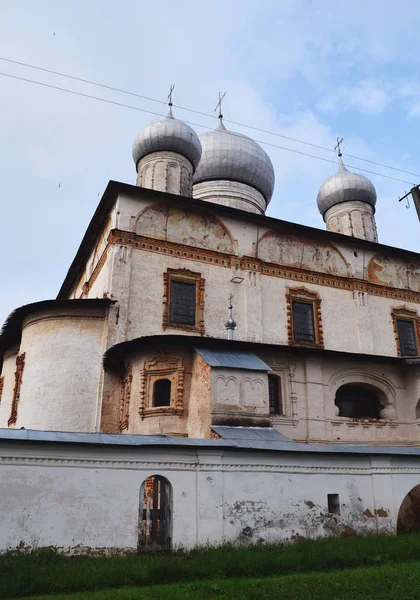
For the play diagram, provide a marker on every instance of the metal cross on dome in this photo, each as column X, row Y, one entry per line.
column 171, row 89
column 338, row 147
column 219, row 105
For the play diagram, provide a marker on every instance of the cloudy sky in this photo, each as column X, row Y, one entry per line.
column 307, row 69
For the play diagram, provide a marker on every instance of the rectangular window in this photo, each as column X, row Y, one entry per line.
column 182, row 302
column 303, row 322
column 333, row 504
column 407, row 337
column 274, row 395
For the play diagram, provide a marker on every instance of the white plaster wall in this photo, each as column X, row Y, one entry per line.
column 87, row 497
column 62, row 374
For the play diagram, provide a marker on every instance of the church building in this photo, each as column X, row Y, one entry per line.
column 209, row 373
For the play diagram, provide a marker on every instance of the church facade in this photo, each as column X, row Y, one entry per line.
column 189, row 313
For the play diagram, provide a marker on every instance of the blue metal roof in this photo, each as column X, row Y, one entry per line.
column 259, row 434
column 236, row 441
column 232, row 359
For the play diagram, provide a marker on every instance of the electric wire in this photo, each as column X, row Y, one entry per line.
column 197, row 112
column 150, row 112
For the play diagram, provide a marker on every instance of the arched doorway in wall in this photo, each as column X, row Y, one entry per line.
column 409, row 514
column 155, row 514
column 360, row 401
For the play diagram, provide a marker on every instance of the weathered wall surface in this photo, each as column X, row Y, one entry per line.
column 61, row 378
column 239, row 397
column 84, row 497
column 308, row 389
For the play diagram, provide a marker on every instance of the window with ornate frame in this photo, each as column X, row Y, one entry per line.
column 162, row 386
column 183, row 300
column 407, row 331
column 304, row 322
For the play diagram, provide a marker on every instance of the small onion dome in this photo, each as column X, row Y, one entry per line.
column 168, row 134
column 235, row 157
column 345, row 186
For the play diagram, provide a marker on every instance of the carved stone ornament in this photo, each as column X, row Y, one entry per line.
column 162, row 367
column 20, row 363
column 124, row 417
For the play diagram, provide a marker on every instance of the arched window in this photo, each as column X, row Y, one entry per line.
column 155, row 512
column 409, row 513
column 162, row 392
column 274, row 395
column 418, row 410
column 359, row 401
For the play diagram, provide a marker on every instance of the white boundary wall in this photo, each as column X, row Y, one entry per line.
column 79, row 497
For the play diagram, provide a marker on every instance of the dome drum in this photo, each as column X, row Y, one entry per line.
column 231, row 193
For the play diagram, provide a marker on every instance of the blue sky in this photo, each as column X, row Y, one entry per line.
column 311, row 70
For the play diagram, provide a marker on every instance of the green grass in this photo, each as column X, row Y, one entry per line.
column 46, row 572
column 386, row 582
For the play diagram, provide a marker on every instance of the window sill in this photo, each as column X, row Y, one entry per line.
column 192, row 328
column 160, row 410
column 307, row 344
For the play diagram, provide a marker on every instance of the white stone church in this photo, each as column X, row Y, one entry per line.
column 210, row 374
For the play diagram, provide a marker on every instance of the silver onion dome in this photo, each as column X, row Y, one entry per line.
column 345, row 186
column 235, row 157
column 168, row 134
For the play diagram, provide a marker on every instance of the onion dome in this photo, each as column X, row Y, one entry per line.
column 228, row 155
column 168, row 134
column 345, row 186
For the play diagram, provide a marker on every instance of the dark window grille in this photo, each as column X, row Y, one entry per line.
column 274, row 395
column 303, row 322
column 407, row 337
column 182, row 302
column 162, row 392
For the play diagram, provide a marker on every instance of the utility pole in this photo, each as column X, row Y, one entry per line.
column 415, row 194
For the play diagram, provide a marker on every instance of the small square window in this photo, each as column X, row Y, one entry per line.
column 407, row 337
column 303, row 322
column 333, row 504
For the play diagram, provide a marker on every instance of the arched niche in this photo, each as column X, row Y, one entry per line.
column 311, row 255
column 418, row 409
column 409, row 514
column 393, row 272
column 155, row 514
column 359, row 401
column 184, row 226
column 375, row 383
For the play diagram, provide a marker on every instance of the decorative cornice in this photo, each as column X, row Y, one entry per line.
column 220, row 259
column 196, row 465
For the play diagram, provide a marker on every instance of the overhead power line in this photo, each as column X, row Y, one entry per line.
column 197, row 112
column 150, row 112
